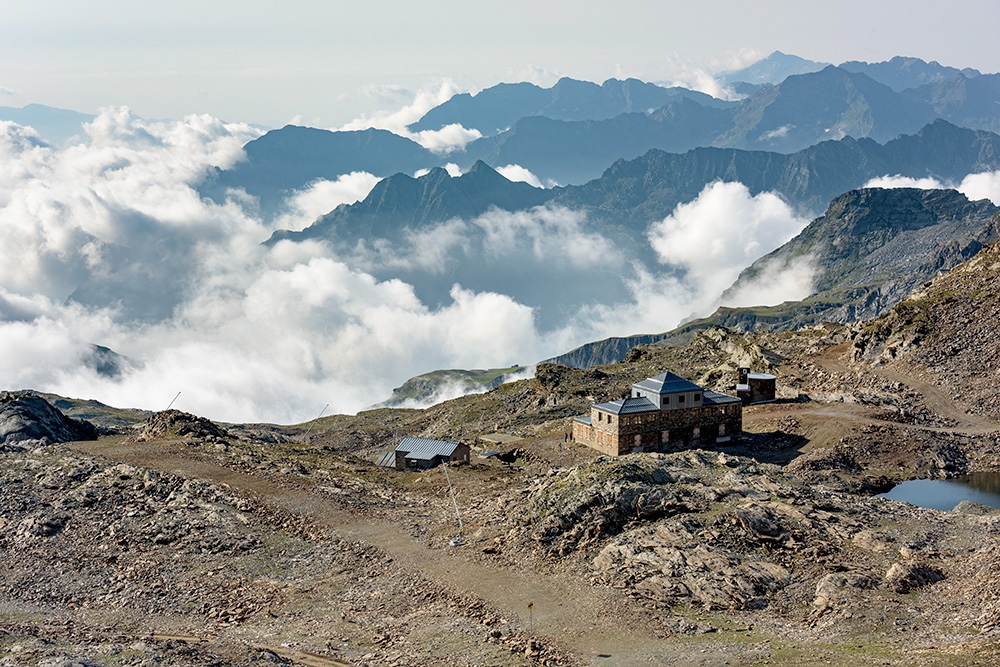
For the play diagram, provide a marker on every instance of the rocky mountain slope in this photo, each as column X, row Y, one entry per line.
column 945, row 330
column 868, row 252
column 874, row 246
column 247, row 550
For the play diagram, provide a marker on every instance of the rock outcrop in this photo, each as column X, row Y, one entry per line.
column 28, row 421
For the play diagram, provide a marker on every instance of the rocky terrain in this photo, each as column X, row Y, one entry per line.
column 171, row 539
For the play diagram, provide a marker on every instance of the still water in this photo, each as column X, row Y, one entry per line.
column 944, row 494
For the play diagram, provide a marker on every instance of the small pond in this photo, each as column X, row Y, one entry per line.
column 944, row 494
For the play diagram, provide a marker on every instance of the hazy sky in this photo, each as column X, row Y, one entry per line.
column 324, row 63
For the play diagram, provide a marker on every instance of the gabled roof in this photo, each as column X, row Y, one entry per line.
column 424, row 449
column 667, row 383
column 627, row 406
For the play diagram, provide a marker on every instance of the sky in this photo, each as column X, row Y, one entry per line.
column 325, row 63
column 107, row 241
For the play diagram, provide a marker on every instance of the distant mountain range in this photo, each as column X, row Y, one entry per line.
column 54, row 126
column 633, row 193
column 773, row 69
column 495, row 109
column 572, row 132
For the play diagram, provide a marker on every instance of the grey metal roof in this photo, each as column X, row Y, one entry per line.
column 715, row 398
column 387, row 460
column 667, row 383
column 761, row 376
column 583, row 420
column 628, row 406
column 425, row 449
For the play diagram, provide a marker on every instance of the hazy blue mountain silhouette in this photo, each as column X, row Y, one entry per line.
column 402, row 201
column 901, row 73
column 773, row 69
column 632, row 193
column 497, row 108
column 283, row 161
column 54, row 126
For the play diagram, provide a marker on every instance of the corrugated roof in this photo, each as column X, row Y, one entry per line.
column 667, row 383
column 425, row 449
column 761, row 376
column 387, row 460
column 627, row 406
column 715, row 398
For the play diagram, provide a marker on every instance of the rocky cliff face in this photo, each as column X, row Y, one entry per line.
column 28, row 421
column 948, row 329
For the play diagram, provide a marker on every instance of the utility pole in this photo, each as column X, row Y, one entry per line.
column 306, row 436
column 458, row 541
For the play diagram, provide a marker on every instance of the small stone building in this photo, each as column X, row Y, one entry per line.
column 755, row 387
column 422, row 453
column 664, row 413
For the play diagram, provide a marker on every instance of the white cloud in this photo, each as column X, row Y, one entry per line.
column 515, row 172
column 897, row 181
column 246, row 333
column 322, row 196
column 446, row 140
column 556, row 236
column 776, row 283
column 722, row 231
column 779, row 133
column 982, row 186
column 693, row 76
column 110, row 243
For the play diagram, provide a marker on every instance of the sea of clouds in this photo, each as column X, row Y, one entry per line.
column 108, row 242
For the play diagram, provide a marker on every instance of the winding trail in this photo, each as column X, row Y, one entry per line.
column 581, row 617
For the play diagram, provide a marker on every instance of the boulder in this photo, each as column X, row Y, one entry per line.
column 28, row 421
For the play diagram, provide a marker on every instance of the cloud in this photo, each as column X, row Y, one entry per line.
column 722, row 231
column 446, row 140
column 108, row 242
column 6, row 92
column 515, row 172
column 982, row 186
column 694, row 76
column 322, row 196
column 898, row 181
column 776, row 134
column 777, row 282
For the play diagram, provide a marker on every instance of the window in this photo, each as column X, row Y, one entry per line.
column 697, row 397
column 680, row 399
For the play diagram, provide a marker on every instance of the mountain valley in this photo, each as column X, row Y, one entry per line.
column 177, row 539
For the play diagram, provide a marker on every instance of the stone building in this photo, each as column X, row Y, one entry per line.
column 422, row 453
column 664, row 413
column 755, row 387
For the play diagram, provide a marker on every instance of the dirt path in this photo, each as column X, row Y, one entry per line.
column 935, row 399
column 580, row 616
